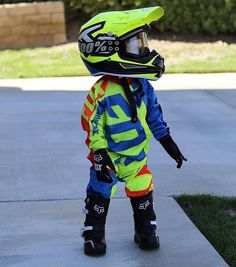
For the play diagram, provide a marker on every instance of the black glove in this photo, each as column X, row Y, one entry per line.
column 101, row 161
column 172, row 149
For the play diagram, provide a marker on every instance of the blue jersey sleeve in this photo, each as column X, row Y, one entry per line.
column 154, row 117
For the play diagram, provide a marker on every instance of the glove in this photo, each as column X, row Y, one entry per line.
column 101, row 161
column 172, row 149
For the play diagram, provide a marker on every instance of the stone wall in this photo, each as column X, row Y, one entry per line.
column 32, row 24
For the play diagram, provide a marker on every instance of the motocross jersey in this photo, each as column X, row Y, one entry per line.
column 107, row 114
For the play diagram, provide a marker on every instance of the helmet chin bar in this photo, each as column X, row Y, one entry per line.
column 128, row 69
column 147, row 56
column 159, row 65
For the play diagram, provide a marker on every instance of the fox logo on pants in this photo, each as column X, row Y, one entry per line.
column 144, row 205
column 98, row 209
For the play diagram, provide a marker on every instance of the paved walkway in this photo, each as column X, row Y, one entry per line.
column 44, row 171
column 167, row 82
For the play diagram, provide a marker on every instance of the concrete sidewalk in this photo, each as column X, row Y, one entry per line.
column 37, row 234
column 167, row 82
column 44, row 172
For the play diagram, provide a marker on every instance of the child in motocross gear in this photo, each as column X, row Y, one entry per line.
column 120, row 113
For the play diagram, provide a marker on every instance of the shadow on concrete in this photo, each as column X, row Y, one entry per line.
column 7, row 88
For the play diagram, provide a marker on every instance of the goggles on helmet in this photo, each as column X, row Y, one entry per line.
column 137, row 45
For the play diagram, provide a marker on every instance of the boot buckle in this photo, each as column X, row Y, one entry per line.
column 90, row 242
column 84, row 229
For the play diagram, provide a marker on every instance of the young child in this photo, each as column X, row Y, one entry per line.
column 120, row 113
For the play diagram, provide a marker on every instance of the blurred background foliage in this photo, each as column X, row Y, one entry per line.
column 181, row 16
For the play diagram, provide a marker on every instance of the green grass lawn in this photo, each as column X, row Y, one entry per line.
column 64, row 60
column 215, row 217
column 41, row 62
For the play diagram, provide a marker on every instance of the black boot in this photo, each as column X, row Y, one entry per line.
column 94, row 226
column 145, row 222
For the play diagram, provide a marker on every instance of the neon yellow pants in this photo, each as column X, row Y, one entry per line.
column 137, row 177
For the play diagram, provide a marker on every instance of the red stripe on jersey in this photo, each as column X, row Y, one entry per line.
column 87, row 112
column 85, row 124
column 104, row 84
column 87, row 141
column 90, row 100
column 99, row 96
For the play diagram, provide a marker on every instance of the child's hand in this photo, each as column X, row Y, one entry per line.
column 172, row 149
column 101, row 163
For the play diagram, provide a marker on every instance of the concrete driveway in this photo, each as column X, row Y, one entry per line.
column 44, row 172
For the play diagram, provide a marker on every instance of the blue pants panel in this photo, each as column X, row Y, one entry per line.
column 100, row 188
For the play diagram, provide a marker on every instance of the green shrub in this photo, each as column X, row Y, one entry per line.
column 181, row 16
column 23, row 1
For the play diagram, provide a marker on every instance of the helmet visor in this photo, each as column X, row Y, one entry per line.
column 136, row 45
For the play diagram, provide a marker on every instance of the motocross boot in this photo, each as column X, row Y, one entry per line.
column 145, row 222
column 94, row 226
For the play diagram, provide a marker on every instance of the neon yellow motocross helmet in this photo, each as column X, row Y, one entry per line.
column 115, row 43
